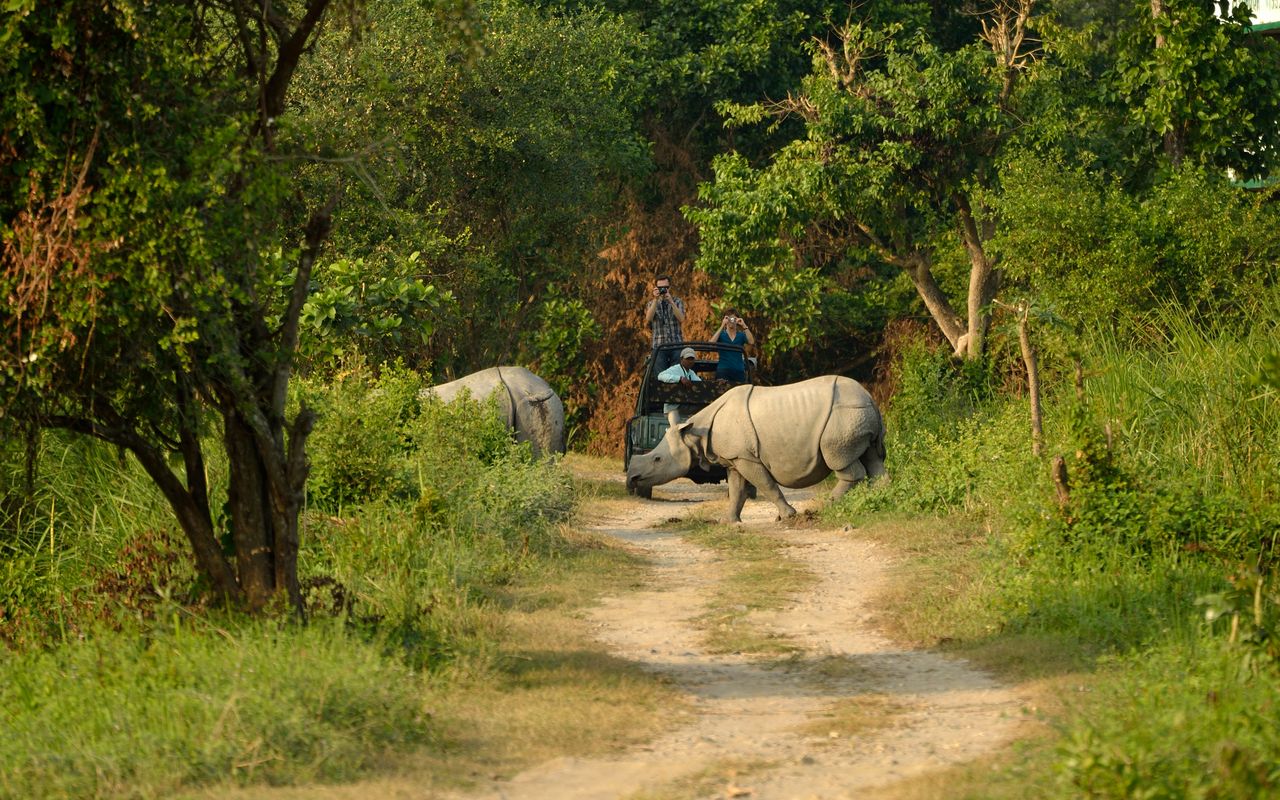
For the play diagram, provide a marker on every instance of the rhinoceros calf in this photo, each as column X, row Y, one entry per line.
column 771, row 436
column 529, row 405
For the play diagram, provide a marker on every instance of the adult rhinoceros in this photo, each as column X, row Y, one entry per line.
column 793, row 436
column 529, row 405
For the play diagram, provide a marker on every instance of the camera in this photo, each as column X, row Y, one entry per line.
column 663, row 289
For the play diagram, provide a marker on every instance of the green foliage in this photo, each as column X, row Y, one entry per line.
column 567, row 331
column 1106, row 257
column 902, row 134
column 359, row 445
column 1181, row 487
column 1180, row 721
column 379, row 312
column 947, row 451
column 437, row 502
column 1171, row 459
column 496, row 163
column 158, row 248
column 116, row 682
column 1211, row 85
column 190, row 703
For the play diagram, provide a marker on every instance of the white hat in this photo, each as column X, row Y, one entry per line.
column 688, row 353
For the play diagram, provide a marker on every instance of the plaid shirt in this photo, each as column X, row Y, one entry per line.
column 665, row 326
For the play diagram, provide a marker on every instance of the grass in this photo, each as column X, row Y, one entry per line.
column 1096, row 609
column 547, row 690
column 725, row 778
column 854, row 717
column 119, row 715
column 550, row 691
column 760, row 577
column 444, row 644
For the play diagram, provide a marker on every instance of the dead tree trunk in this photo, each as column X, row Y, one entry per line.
column 1033, row 381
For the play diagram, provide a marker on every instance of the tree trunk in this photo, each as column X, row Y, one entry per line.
column 193, row 517
column 1175, row 139
column 949, row 322
column 1033, row 383
column 190, row 503
column 289, row 507
column 984, row 280
column 1061, row 485
column 252, row 520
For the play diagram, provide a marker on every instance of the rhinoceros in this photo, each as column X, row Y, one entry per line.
column 770, row 436
column 529, row 405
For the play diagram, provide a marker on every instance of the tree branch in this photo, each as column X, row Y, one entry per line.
column 291, row 50
column 316, row 232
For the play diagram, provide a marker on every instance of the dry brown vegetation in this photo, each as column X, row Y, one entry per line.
column 654, row 239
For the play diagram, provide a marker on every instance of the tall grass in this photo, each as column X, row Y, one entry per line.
column 62, row 530
column 1173, row 516
column 127, row 715
column 116, row 681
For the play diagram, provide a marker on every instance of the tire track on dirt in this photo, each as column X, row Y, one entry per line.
column 748, row 713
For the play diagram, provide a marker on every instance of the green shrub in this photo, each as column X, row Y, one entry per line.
column 950, row 446
column 410, row 564
column 357, row 450
column 115, row 683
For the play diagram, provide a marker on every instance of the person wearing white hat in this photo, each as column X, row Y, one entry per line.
column 681, row 372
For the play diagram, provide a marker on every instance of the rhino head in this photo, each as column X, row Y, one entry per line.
column 670, row 459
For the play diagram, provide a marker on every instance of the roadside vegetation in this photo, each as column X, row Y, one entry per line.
column 1144, row 602
column 438, row 565
column 234, row 237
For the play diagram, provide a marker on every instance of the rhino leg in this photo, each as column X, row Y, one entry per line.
column 873, row 463
column 847, row 477
column 764, row 482
column 737, row 495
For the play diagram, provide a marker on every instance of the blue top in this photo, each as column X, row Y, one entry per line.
column 732, row 359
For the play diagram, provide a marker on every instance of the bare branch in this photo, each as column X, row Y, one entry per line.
column 1004, row 29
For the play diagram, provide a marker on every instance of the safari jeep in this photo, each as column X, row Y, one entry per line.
column 649, row 425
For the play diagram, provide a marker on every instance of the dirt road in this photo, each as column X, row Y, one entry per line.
column 753, row 732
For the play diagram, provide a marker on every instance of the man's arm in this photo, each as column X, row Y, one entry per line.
column 648, row 311
column 671, row 374
column 677, row 308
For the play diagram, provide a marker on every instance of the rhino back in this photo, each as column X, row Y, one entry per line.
column 481, row 384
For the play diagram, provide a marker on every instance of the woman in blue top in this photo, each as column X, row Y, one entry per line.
column 733, row 330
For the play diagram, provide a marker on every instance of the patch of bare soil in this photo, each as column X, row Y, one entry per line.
column 919, row 711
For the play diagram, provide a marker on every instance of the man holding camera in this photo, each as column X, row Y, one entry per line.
column 663, row 315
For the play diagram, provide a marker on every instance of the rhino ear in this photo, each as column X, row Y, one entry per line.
column 696, row 441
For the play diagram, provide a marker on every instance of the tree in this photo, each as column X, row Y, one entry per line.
column 494, row 157
column 1204, row 85
column 157, row 254
column 902, row 149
